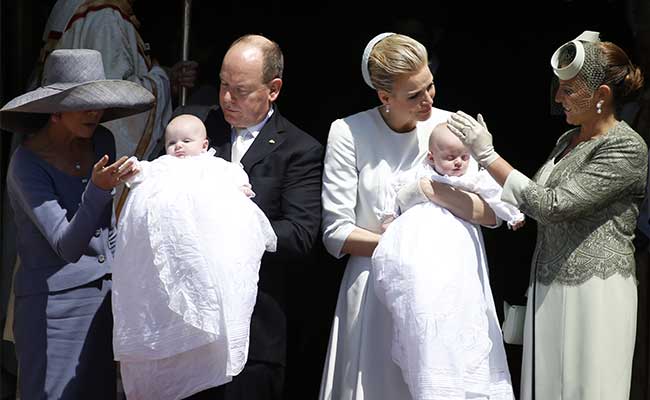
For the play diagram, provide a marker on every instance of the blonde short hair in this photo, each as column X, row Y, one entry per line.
column 394, row 56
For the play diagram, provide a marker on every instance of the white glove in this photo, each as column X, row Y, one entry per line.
column 475, row 135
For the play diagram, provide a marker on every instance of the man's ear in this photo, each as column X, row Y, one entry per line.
column 274, row 88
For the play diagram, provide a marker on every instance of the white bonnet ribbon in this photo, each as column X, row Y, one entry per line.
column 569, row 71
column 366, row 55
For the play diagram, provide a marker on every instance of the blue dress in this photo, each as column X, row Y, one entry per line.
column 63, row 322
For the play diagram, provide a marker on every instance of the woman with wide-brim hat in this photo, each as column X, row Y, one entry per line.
column 60, row 182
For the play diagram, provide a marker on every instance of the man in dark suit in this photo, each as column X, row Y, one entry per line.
column 284, row 165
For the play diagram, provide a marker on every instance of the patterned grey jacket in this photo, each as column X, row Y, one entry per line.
column 586, row 207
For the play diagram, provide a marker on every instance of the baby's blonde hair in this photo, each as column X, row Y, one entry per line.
column 187, row 121
column 439, row 132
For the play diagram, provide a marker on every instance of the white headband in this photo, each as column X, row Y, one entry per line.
column 366, row 55
column 569, row 71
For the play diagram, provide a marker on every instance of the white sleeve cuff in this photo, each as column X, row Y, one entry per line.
column 139, row 177
column 514, row 187
column 334, row 242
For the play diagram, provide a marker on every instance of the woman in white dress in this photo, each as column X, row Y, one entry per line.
column 364, row 152
column 581, row 314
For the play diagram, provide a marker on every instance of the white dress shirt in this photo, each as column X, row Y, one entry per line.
column 242, row 138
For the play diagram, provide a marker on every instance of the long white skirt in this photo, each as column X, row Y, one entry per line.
column 429, row 270
column 358, row 365
column 584, row 340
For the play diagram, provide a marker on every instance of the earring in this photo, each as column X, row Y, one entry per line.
column 387, row 108
column 599, row 107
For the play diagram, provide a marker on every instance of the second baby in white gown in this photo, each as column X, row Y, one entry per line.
column 430, row 270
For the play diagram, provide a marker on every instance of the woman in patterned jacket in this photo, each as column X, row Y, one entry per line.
column 581, row 315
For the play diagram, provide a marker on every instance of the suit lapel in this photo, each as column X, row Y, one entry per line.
column 270, row 137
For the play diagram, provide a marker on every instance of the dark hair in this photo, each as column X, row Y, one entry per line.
column 33, row 124
column 624, row 78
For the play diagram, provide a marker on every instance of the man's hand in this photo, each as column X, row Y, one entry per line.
column 183, row 74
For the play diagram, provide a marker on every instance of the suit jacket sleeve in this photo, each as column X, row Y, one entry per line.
column 297, row 228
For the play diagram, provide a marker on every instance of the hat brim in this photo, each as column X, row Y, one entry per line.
column 118, row 98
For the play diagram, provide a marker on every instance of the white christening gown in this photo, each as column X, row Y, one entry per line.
column 185, row 276
column 430, row 270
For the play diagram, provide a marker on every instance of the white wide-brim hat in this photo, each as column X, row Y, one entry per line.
column 74, row 80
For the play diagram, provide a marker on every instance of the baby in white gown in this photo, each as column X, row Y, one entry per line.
column 430, row 270
column 188, row 251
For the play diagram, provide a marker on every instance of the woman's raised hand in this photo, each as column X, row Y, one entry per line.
column 107, row 177
column 475, row 135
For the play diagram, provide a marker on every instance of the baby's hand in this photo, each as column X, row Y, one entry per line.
column 247, row 190
column 385, row 222
column 517, row 225
column 134, row 172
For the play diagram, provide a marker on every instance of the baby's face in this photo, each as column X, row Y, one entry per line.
column 449, row 158
column 185, row 142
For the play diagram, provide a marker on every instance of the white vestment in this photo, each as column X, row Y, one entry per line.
column 106, row 29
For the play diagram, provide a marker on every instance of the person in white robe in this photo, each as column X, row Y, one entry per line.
column 111, row 27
